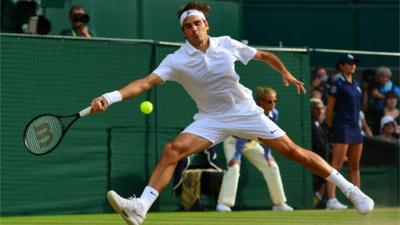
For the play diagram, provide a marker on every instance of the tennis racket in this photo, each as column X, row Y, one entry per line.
column 45, row 132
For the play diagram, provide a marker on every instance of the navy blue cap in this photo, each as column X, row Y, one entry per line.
column 347, row 58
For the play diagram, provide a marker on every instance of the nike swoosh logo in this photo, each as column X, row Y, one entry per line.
column 273, row 131
column 153, row 193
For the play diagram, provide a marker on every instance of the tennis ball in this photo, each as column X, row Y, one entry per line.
column 146, row 107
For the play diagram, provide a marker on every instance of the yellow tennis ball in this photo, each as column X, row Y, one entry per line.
column 146, row 107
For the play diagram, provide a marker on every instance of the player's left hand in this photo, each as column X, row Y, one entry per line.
column 288, row 78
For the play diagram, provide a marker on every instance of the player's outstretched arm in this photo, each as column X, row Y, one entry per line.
column 132, row 89
column 273, row 61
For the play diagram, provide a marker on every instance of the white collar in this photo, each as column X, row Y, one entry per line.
column 191, row 50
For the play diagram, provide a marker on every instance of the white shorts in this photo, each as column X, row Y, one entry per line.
column 248, row 127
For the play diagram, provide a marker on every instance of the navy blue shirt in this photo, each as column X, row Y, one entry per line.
column 348, row 98
column 346, row 128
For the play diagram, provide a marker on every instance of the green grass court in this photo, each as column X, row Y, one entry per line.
column 380, row 216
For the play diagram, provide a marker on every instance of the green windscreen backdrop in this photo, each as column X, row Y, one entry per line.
column 117, row 149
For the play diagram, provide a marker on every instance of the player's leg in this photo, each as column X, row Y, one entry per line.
column 318, row 166
column 339, row 153
column 285, row 146
column 230, row 180
column 184, row 145
column 270, row 171
column 134, row 210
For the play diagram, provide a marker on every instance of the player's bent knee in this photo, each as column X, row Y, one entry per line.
column 174, row 151
column 180, row 147
column 170, row 154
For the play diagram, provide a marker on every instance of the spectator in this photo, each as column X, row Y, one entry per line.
column 316, row 94
column 320, row 81
column 320, row 145
column 391, row 108
column 384, row 85
column 259, row 155
column 79, row 20
column 343, row 115
column 388, row 130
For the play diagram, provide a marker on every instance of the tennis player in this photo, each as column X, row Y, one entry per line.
column 259, row 155
column 205, row 67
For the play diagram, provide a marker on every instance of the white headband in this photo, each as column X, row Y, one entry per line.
column 191, row 12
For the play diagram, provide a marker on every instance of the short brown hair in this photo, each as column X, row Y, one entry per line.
column 195, row 5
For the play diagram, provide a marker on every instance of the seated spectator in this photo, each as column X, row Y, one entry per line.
column 316, row 94
column 390, row 109
column 388, row 129
column 319, row 81
column 384, row 86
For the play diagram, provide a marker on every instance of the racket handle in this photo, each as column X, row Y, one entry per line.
column 85, row 112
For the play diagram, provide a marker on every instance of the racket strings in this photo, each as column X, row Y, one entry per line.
column 43, row 134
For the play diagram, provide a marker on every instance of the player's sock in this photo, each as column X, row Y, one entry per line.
column 149, row 196
column 342, row 183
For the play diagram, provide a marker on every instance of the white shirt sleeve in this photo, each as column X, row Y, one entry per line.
column 166, row 69
column 241, row 52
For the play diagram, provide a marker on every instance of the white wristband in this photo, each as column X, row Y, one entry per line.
column 113, row 97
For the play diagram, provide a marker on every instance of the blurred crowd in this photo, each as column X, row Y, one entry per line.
column 379, row 114
column 27, row 17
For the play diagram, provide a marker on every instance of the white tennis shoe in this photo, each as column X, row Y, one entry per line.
column 131, row 209
column 361, row 201
column 221, row 207
column 282, row 208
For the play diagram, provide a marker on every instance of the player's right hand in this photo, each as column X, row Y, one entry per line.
column 99, row 104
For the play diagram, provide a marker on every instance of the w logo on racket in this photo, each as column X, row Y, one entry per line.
column 43, row 134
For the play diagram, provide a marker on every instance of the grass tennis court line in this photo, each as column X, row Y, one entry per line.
column 381, row 216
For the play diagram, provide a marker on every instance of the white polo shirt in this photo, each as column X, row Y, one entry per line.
column 210, row 78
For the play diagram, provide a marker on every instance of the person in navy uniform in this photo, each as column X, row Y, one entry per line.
column 343, row 115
